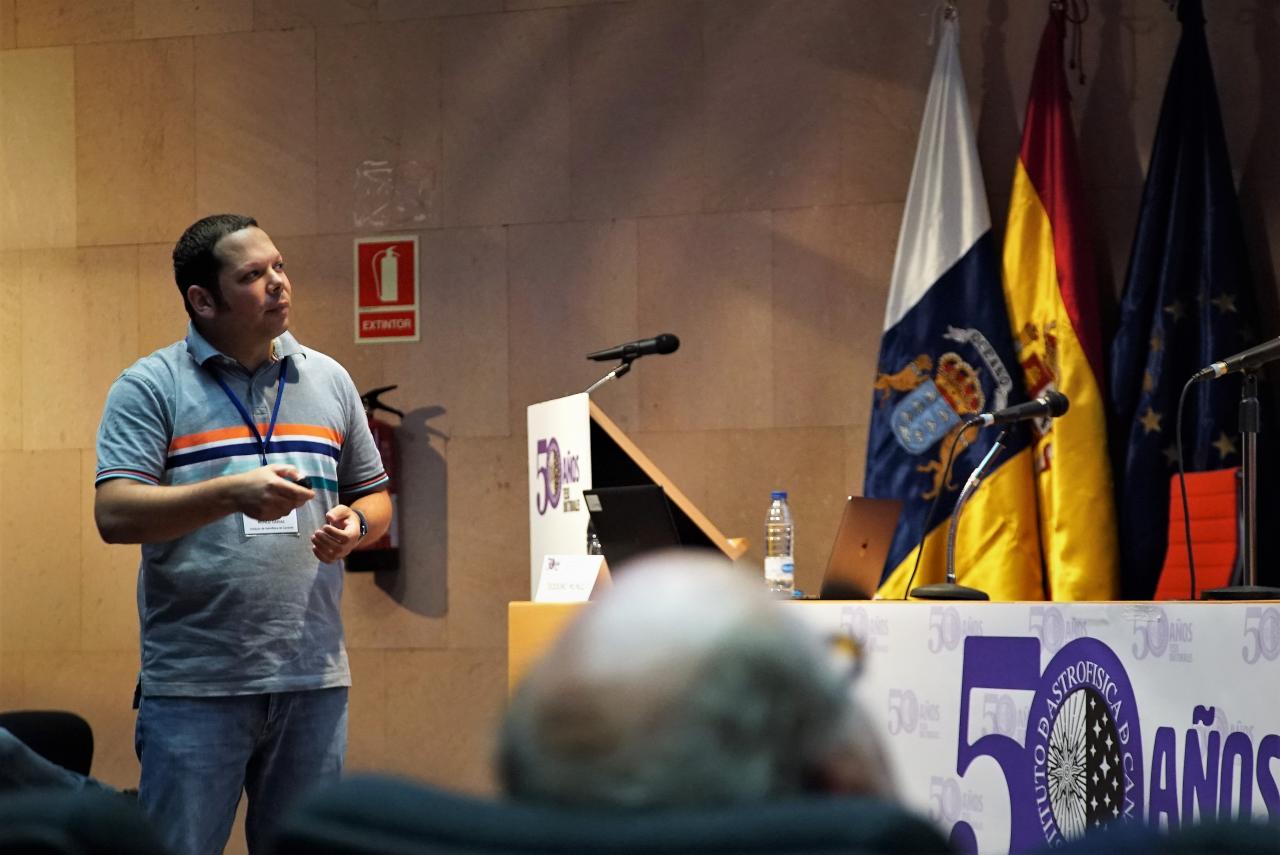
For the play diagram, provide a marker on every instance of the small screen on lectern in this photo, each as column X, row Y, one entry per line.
column 631, row 520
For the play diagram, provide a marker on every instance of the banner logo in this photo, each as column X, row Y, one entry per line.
column 1080, row 766
column 1262, row 634
column 554, row 472
column 1083, row 737
column 548, row 473
column 947, row 630
column 1053, row 628
column 870, row 632
column 1156, row 636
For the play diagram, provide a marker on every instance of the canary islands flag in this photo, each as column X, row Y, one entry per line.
column 947, row 353
column 1052, row 295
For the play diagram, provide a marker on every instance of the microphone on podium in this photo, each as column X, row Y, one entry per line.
column 1245, row 360
column 662, row 343
column 1051, row 404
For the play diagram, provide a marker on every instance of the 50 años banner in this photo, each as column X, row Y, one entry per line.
column 1017, row 725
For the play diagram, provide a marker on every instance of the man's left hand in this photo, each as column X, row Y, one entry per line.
column 339, row 535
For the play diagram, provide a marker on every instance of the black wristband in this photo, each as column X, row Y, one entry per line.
column 364, row 525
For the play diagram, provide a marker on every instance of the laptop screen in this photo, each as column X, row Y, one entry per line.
column 860, row 548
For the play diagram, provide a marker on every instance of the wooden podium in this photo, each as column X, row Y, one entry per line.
column 574, row 446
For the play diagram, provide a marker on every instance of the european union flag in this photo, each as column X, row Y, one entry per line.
column 1187, row 302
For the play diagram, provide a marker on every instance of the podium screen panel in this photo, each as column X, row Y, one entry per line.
column 631, row 520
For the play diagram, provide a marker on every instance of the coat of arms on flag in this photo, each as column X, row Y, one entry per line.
column 934, row 407
column 1038, row 354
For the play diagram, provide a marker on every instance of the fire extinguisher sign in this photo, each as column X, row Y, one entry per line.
column 386, row 283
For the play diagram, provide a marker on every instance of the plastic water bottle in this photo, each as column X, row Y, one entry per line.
column 593, row 541
column 779, row 541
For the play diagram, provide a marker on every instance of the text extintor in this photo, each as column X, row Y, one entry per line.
column 386, row 289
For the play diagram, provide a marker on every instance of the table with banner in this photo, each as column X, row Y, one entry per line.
column 1024, row 724
column 1011, row 724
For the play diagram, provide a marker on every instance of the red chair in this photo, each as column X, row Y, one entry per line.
column 1213, row 500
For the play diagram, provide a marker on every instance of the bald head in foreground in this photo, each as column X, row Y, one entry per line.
column 686, row 685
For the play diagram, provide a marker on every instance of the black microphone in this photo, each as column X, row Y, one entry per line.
column 663, row 343
column 1051, row 404
column 1245, row 360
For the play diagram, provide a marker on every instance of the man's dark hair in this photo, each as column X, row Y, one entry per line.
column 194, row 262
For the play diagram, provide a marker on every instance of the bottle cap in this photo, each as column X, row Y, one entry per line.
column 778, row 494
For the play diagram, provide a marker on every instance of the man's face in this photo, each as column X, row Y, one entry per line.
column 255, row 290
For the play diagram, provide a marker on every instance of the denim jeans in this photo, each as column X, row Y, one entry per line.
column 198, row 754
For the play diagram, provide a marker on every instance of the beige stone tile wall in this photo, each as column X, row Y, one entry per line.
column 570, row 287
column 37, row 149
column 79, row 329
column 774, row 108
column 829, row 270
column 707, row 278
column 256, row 127
column 578, row 174
column 40, row 551
column 8, row 25
column 135, row 140
column 637, row 106
column 378, row 108
column 505, row 118
column 11, row 350
column 154, row 19
column 40, row 23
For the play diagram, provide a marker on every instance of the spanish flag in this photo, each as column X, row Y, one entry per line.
column 1052, row 295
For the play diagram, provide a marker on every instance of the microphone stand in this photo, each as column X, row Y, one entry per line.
column 1250, row 422
column 622, row 368
column 949, row 590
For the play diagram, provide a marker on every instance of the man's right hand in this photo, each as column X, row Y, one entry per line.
column 270, row 492
column 129, row 511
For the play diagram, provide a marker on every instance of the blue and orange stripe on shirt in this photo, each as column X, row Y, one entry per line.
column 237, row 441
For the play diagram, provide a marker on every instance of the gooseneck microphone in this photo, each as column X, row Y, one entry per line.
column 663, row 343
column 1050, row 404
column 1245, row 360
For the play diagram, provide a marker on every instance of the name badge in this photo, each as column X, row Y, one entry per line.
column 287, row 524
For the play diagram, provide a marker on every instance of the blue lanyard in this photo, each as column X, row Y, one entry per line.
column 244, row 414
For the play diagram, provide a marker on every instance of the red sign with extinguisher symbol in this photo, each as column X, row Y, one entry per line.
column 386, row 289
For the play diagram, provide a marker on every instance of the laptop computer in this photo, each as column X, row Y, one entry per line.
column 862, row 543
column 631, row 520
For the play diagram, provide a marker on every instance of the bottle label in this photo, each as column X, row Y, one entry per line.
column 778, row 568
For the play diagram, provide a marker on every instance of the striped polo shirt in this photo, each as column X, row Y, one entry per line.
column 221, row 612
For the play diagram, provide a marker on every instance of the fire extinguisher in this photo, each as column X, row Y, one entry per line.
column 383, row 553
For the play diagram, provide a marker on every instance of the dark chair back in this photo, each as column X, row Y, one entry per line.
column 376, row 814
column 1225, row 837
column 62, row 738
column 74, row 822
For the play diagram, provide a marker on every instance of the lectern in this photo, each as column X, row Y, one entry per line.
column 574, row 446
